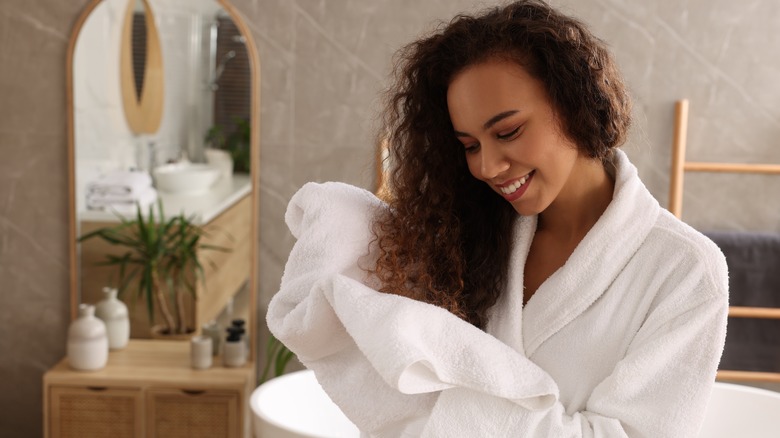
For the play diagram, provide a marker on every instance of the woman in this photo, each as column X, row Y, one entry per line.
column 575, row 305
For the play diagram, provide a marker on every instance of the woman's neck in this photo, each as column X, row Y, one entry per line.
column 583, row 199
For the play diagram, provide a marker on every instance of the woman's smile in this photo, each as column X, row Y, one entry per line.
column 514, row 189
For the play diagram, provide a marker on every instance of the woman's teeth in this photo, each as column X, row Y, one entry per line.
column 508, row 190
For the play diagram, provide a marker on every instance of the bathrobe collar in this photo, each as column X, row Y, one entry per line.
column 587, row 274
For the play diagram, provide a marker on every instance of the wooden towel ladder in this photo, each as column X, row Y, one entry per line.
column 679, row 167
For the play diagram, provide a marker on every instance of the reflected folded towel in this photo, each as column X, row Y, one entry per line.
column 124, row 204
column 120, row 183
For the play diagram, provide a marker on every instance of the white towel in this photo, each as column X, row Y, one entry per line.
column 382, row 358
column 126, row 204
column 120, row 183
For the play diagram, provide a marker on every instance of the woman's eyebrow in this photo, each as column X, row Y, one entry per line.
column 498, row 117
column 492, row 121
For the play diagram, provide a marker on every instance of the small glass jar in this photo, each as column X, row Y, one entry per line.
column 213, row 330
column 200, row 352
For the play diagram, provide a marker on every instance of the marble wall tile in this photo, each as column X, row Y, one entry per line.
column 330, row 83
column 277, row 93
column 31, row 52
column 323, row 63
column 271, row 22
column 713, row 54
column 34, row 303
column 374, row 30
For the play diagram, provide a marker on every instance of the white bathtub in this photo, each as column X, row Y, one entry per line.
column 741, row 411
column 295, row 406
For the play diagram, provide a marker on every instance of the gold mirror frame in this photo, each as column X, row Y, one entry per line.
column 254, row 160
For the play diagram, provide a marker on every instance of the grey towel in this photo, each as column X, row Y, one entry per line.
column 754, row 281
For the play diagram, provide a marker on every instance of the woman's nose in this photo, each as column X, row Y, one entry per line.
column 494, row 163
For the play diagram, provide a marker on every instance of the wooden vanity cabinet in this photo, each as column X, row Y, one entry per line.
column 148, row 390
column 225, row 273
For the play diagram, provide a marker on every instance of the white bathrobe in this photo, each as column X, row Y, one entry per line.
column 623, row 340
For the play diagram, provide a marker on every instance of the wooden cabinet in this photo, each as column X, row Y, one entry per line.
column 224, row 272
column 175, row 413
column 77, row 412
column 148, row 390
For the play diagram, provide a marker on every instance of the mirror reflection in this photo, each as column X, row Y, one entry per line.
column 141, row 69
column 138, row 42
column 192, row 154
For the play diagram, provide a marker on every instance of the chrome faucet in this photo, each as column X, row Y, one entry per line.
column 146, row 154
column 152, row 154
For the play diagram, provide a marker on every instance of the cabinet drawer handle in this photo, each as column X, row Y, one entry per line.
column 97, row 388
column 193, row 391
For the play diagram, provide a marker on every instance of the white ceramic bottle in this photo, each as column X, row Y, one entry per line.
column 114, row 314
column 87, row 341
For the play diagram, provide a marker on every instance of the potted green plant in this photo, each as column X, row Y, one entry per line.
column 277, row 356
column 237, row 143
column 162, row 255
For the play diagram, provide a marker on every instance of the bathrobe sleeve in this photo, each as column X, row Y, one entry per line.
column 331, row 223
column 659, row 389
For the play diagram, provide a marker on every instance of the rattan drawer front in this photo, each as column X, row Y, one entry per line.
column 80, row 412
column 172, row 413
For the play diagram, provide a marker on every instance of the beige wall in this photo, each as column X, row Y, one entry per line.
column 323, row 63
column 33, row 204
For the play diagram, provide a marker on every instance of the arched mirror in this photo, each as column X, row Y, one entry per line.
column 163, row 102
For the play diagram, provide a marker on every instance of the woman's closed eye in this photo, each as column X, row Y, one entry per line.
column 471, row 148
column 510, row 135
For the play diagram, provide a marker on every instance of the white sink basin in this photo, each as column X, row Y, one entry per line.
column 185, row 178
column 294, row 406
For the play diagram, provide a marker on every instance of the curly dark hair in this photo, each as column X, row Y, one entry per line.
column 445, row 237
